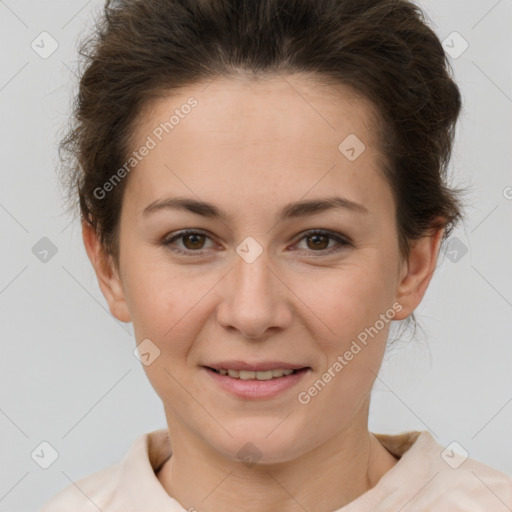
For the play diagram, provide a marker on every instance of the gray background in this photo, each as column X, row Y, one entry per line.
column 68, row 374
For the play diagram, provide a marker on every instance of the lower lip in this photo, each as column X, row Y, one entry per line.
column 254, row 388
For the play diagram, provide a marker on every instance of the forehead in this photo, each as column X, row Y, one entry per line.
column 261, row 106
column 290, row 133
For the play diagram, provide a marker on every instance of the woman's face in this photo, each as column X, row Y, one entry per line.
column 253, row 285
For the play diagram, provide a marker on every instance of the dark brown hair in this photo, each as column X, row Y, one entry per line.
column 383, row 49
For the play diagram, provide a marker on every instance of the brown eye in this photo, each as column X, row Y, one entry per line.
column 190, row 243
column 318, row 241
column 193, row 241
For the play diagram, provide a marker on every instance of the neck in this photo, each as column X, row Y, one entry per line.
column 323, row 479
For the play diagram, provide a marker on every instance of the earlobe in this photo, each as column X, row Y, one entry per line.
column 108, row 276
column 417, row 272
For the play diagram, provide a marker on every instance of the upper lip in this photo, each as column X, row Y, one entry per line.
column 260, row 366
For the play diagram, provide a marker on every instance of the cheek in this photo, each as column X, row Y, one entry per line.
column 166, row 308
column 158, row 293
column 170, row 306
column 352, row 307
column 350, row 299
column 160, row 300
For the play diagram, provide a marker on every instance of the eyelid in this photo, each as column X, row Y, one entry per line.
column 168, row 239
column 342, row 241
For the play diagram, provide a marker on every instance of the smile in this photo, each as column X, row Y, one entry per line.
column 260, row 375
column 249, row 384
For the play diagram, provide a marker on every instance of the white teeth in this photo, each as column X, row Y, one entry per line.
column 247, row 374
column 265, row 375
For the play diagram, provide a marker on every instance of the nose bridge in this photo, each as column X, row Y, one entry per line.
column 253, row 277
column 252, row 301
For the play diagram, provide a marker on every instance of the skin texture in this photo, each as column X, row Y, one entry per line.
column 250, row 147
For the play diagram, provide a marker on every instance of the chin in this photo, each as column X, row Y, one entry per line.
column 262, row 440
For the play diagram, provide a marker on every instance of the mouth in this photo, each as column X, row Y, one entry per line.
column 261, row 381
column 258, row 375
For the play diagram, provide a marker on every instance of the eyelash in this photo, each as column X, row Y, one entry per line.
column 342, row 241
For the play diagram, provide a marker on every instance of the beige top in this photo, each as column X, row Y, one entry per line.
column 427, row 477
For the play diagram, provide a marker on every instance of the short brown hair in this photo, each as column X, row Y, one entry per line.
column 383, row 49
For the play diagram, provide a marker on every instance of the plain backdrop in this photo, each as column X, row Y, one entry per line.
column 68, row 374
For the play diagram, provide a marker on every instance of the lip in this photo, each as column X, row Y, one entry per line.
column 261, row 366
column 253, row 388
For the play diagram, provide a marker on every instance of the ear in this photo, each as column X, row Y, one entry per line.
column 106, row 273
column 417, row 272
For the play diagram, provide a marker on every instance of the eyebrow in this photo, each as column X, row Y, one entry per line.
column 291, row 210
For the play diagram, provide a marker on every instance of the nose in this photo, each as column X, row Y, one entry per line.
column 255, row 299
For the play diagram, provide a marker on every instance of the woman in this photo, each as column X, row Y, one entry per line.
column 262, row 190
